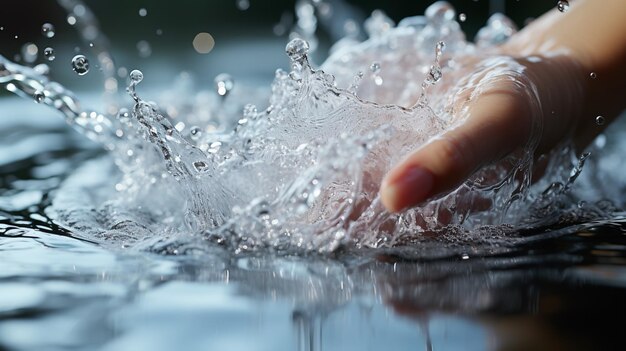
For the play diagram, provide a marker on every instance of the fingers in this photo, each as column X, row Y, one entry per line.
column 497, row 123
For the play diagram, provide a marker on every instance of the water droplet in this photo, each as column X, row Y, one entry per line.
column 29, row 52
column 434, row 74
column 600, row 120
column 439, row 49
column 80, row 64
column 136, row 76
column 195, row 132
column 144, row 48
column 203, row 43
column 47, row 30
column 243, row 4
column 375, row 67
column 71, row 20
column 39, row 96
column 562, row 5
column 49, row 54
column 224, row 84
column 143, row 12
column 462, row 17
column 297, row 49
column 593, row 75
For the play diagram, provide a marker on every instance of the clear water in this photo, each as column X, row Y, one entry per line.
column 175, row 246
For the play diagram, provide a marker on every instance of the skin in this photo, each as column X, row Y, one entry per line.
column 587, row 38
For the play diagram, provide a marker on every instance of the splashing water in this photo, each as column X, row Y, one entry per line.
column 303, row 172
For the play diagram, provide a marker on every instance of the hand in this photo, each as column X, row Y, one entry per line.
column 502, row 104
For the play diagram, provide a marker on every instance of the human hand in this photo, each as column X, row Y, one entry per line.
column 502, row 104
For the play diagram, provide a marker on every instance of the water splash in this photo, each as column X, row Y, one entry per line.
column 302, row 173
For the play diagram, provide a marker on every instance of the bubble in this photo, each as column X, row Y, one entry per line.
column 462, row 17
column 593, row 75
column 297, row 49
column 224, row 84
column 203, row 43
column 243, row 4
column 71, row 20
column 48, row 53
column 562, row 5
column 195, row 132
column 39, row 96
column 136, row 76
column 143, row 12
column 47, row 30
column 80, row 65
column 600, row 120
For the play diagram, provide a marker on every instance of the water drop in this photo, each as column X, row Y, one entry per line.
column 593, row 75
column 143, row 12
column 49, row 54
column 47, row 30
column 600, row 120
column 439, row 49
column 195, row 132
column 71, row 20
column 243, row 4
column 462, row 17
column 80, row 64
column 203, row 43
column 136, row 76
column 434, row 74
column 297, row 49
column 29, row 52
column 224, row 84
column 375, row 67
column 39, row 96
column 144, row 48
column 562, row 5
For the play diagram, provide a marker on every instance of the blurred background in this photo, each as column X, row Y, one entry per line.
column 247, row 37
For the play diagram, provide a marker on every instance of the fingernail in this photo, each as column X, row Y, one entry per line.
column 408, row 189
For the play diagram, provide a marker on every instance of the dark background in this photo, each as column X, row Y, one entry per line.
column 245, row 43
